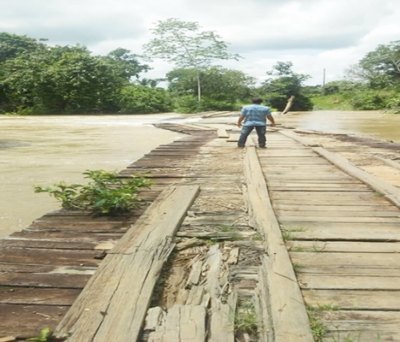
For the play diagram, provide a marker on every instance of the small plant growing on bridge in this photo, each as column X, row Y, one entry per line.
column 105, row 194
column 246, row 321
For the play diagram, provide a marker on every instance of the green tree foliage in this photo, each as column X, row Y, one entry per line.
column 125, row 64
column 222, row 88
column 381, row 68
column 284, row 83
column 143, row 99
column 63, row 79
column 12, row 45
column 183, row 44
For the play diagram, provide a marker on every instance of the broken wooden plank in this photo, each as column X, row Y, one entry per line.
column 132, row 267
column 183, row 323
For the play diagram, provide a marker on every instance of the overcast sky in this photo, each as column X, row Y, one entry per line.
column 313, row 34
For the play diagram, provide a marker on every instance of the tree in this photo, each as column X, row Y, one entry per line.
column 141, row 99
column 381, row 67
column 126, row 64
column 63, row 79
column 11, row 45
column 283, row 84
column 182, row 43
column 219, row 84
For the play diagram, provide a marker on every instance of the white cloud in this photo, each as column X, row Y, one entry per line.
column 313, row 34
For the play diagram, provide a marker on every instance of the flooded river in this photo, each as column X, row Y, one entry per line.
column 372, row 123
column 42, row 150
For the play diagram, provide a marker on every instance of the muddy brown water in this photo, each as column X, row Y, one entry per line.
column 375, row 124
column 42, row 150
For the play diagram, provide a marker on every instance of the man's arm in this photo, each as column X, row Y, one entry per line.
column 240, row 120
column 271, row 119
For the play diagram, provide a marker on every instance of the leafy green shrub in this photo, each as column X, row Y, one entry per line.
column 212, row 104
column 186, row 104
column 105, row 194
column 367, row 100
column 141, row 99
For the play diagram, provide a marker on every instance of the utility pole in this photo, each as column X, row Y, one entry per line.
column 323, row 77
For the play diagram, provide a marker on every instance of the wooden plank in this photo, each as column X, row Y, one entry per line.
column 24, row 321
column 289, row 316
column 347, row 246
column 306, row 189
column 343, row 270
column 379, row 260
column 368, row 326
column 183, row 323
column 342, row 231
column 222, row 314
column 69, row 281
column 389, row 191
column 315, row 208
column 36, row 256
column 367, row 219
column 353, row 282
column 328, row 198
column 133, row 267
column 344, row 213
column 39, row 296
column 354, row 300
column 47, row 244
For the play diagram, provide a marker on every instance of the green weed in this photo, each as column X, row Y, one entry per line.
column 105, row 194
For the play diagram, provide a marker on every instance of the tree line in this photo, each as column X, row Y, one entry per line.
column 36, row 78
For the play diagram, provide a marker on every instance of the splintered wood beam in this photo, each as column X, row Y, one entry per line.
column 182, row 323
column 113, row 305
column 288, row 313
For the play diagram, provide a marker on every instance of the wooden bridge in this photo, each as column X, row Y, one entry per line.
column 288, row 243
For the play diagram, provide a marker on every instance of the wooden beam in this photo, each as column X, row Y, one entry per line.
column 113, row 305
column 289, row 316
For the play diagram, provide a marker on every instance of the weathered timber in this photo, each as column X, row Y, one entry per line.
column 183, row 323
column 389, row 191
column 132, row 267
column 289, row 316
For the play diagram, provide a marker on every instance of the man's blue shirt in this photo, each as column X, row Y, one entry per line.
column 255, row 115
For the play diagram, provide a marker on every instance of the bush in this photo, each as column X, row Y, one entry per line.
column 211, row 104
column 367, row 100
column 186, row 104
column 106, row 194
column 135, row 99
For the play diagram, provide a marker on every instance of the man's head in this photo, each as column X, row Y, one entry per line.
column 256, row 100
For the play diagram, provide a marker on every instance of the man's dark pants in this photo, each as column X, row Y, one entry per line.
column 246, row 130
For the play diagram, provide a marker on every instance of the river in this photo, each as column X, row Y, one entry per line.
column 42, row 150
column 366, row 123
